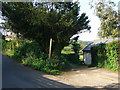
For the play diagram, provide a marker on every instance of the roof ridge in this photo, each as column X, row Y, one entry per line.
column 99, row 41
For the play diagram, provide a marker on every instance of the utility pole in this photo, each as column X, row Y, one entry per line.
column 50, row 48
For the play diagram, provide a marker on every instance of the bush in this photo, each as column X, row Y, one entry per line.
column 75, row 45
column 52, row 66
column 4, row 45
column 8, row 47
column 28, row 48
column 112, row 56
column 72, row 58
column 30, row 54
column 106, row 56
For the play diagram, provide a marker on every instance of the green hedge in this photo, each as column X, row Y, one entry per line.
column 26, row 48
column 73, row 58
column 4, row 45
column 105, row 56
column 8, row 47
column 30, row 54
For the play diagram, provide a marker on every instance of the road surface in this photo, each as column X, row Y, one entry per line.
column 15, row 75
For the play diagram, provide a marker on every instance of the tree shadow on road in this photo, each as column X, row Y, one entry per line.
column 113, row 85
column 15, row 75
column 18, row 76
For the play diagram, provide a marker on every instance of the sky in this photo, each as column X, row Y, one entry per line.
column 94, row 21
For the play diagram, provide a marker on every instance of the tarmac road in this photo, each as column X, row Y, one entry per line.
column 15, row 75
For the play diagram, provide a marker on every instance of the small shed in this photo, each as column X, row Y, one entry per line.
column 87, row 50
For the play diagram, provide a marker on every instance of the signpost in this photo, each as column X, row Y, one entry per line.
column 50, row 48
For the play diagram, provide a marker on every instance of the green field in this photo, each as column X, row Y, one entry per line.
column 68, row 50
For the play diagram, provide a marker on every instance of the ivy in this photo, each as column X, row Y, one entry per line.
column 106, row 56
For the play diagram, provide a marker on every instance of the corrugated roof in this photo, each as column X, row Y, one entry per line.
column 97, row 42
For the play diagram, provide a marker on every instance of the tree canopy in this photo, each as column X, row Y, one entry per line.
column 105, row 10
column 42, row 21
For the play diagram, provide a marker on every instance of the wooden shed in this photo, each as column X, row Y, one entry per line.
column 87, row 50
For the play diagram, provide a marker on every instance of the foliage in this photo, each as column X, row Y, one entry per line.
column 72, row 58
column 38, row 23
column 75, row 45
column 8, row 47
column 105, row 10
column 42, row 21
column 4, row 45
column 112, row 56
column 97, row 55
column 28, row 47
column 106, row 56
column 30, row 54
column 52, row 66
column 67, row 50
column 1, row 35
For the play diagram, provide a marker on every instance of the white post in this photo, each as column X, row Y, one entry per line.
column 50, row 48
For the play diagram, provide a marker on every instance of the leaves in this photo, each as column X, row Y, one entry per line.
column 109, row 19
column 106, row 56
column 42, row 21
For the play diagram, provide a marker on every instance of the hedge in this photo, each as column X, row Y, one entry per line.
column 29, row 53
column 106, row 56
column 72, row 58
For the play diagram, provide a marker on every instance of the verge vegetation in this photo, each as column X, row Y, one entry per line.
column 106, row 56
column 29, row 54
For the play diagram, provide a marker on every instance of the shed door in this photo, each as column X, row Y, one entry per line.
column 88, row 58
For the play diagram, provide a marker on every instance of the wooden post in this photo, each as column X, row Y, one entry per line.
column 50, row 48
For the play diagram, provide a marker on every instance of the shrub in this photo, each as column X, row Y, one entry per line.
column 8, row 47
column 112, row 56
column 52, row 66
column 106, row 56
column 72, row 58
column 28, row 47
column 30, row 54
column 75, row 45
column 4, row 45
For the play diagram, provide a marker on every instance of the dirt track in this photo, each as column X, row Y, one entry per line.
column 91, row 77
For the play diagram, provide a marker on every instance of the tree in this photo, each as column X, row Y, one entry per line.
column 76, row 45
column 109, row 18
column 42, row 21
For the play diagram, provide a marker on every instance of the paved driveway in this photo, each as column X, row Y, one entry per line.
column 16, row 75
